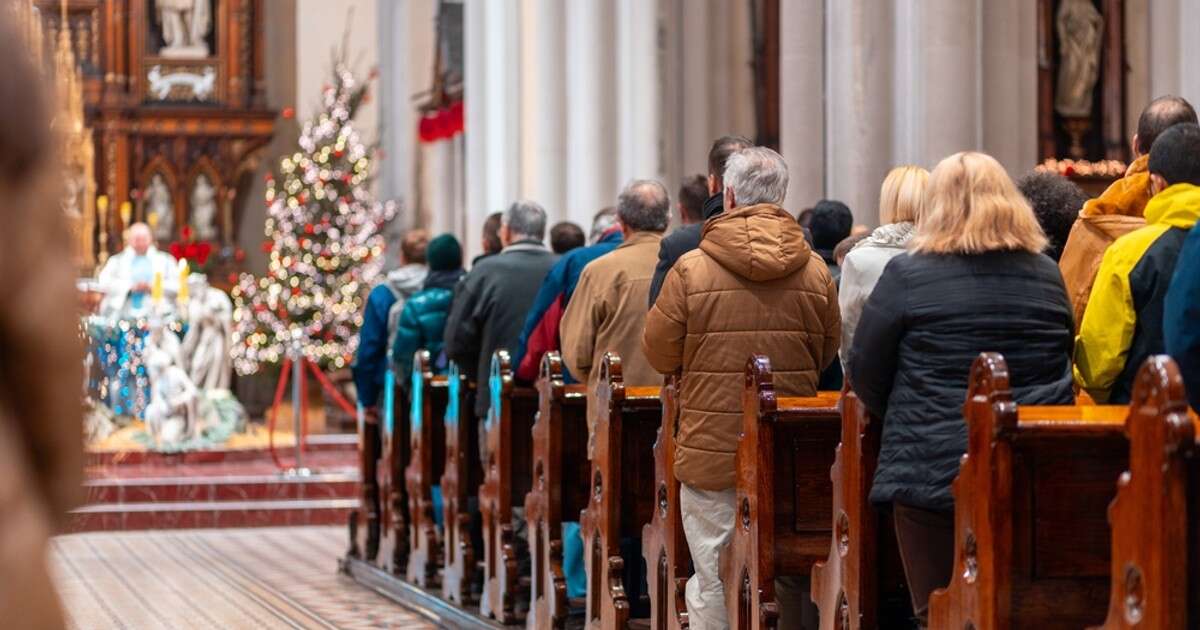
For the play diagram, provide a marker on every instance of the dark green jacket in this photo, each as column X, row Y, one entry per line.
column 422, row 322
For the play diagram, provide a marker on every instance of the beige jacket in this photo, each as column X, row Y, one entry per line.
column 607, row 313
column 754, row 286
column 1115, row 213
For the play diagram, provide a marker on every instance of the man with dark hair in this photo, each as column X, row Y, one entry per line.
column 566, row 236
column 829, row 223
column 491, row 300
column 1056, row 201
column 1123, row 323
column 1119, row 210
column 491, row 237
column 692, row 194
column 540, row 333
column 687, row 238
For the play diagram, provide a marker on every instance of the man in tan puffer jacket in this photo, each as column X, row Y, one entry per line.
column 754, row 286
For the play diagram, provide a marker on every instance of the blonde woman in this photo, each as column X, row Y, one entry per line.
column 901, row 199
column 974, row 280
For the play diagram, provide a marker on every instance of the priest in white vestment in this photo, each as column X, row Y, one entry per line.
column 127, row 279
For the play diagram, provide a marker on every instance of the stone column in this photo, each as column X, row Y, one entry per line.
column 802, row 135
column 543, row 105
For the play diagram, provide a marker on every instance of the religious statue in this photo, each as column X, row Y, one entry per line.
column 160, row 206
column 137, row 279
column 210, row 329
column 171, row 416
column 204, row 208
column 185, row 25
column 1080, row 32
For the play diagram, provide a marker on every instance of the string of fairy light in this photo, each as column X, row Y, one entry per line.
column 324, row 238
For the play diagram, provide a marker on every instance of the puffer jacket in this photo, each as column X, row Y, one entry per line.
column 929, row 317
column 754, row 286
column 861, row 270
column 1123, row 324
column 422, row 322
column 1103, row 220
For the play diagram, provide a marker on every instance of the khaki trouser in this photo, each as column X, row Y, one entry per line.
column 708, row 521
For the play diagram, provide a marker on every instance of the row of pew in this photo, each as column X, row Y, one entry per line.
column 1065, row 516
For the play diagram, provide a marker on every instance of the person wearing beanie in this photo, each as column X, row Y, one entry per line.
column 424, row 316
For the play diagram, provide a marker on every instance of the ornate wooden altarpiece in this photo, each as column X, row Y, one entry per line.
column 173, row 90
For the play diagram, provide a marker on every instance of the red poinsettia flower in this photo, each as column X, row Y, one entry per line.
column 203, row 251
column 185, row 232
column 176, row 250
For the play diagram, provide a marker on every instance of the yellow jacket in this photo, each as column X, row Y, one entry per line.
column 1122, row 325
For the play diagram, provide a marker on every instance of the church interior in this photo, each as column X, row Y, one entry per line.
column 267, row 290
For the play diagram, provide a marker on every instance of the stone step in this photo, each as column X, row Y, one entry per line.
column 209, row 514
column 341, row 484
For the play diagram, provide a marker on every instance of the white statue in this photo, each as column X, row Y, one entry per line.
column 185, row 25
column 159, row 205
column 204, row 209
column 210, row 328
column 1080, row 33
column 171, row 415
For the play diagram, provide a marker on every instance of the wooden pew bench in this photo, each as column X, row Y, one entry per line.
column 861, row 584
column 507, row 478
column 460, row 480
column 1031, row 539
column 560, row 487
column 426, row 459
column 1155, row 517
column 371, row 523
column 622, row 495
column 664, row 547
column 784, row 495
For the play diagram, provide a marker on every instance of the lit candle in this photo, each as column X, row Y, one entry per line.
column 126, row 213
column 184, row 270
column 156, row 291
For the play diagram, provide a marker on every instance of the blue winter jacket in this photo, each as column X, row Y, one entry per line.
column 422, row 323
column 1181, row 316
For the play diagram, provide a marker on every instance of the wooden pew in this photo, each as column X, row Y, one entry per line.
column 664, row 548
column 393, row 496
column 1031, row 538
column 1154, row 516
column 426, row 447
column 560, row 487
column 364, row 523
column 622, row 491
column 461, row 478
column 784, row 494
column 860, row 585
column 507, row 478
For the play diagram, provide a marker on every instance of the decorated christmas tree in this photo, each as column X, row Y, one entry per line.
column 324, row 238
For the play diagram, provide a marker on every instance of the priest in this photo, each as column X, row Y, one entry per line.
column 139, row 275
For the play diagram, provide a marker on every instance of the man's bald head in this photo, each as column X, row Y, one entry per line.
column 1160, row 115
column 140, row 238
column 644, row 206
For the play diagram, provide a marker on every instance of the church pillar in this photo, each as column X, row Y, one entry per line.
column 590, row 121
column 802, row 136
column 637, row 92
column 543, row 105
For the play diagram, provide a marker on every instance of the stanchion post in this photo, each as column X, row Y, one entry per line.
column 297, row 353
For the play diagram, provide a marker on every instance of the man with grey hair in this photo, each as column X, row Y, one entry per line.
column 753, row 287
column 491, row 301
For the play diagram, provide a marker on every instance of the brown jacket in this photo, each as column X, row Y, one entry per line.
column 754, row 286
column 607, row 313
column 1103, row 220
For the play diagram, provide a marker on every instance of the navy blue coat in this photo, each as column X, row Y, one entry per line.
column 1181, row 316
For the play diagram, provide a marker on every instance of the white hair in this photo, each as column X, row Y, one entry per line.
column 756, row 175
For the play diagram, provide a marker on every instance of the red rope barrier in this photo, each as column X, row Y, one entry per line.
column 330, row 389
column 279, row 389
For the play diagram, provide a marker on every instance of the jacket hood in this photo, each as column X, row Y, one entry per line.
column 407, row 279
column 759, row 243
column 893, row 235
column 444, row 279
column 1177, row 206
column 1113, row 226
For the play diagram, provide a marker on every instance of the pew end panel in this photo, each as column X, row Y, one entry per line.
column 1154, row 515
column 426, row 458
column 783, row 494
column 462, row 474
column 860, row 585
column 560, row 487
column 507, row 478
column 621, row 495
column 664, row 548
column 1030, row 531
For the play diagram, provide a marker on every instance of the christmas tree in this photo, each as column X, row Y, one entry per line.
column 325, row 242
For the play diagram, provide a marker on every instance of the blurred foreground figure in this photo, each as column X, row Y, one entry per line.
column 41, row 441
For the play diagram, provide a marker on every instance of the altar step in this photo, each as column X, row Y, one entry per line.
column 218, row 489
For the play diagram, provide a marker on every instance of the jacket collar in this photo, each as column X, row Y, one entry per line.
column 714, row 205
column 638, row 238
column 895, row 235
column 611, row 235
column 443, row 279
column 1177, row 206
column 527, row 245
column 1140, row 165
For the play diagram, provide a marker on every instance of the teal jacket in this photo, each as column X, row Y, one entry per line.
column 422, row 322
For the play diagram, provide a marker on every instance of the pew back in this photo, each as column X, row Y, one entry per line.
column 426, row 459
column 460, row 479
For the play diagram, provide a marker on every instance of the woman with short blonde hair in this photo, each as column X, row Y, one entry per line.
column 974, row 207
column 974, row 280
column 901, row 204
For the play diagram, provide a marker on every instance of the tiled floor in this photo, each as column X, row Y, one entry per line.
column 230, row 578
